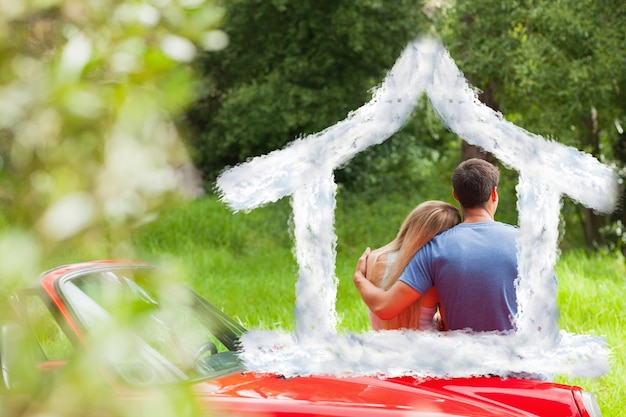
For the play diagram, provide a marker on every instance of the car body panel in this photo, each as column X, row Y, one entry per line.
column 480, row 396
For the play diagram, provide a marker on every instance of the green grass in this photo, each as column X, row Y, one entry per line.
column 244, row 264
column 590, row 300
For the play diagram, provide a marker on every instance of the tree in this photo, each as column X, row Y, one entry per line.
column 88, row 148
column 554, row 68
column 293, row 67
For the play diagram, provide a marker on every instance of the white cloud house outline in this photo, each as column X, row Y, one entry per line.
column 304, row 170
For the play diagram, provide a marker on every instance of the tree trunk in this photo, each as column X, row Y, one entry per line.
column 472, row 151
column 593, row 222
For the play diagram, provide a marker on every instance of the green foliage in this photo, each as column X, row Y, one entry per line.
column 295, row 68
column 292, row 68
column 554, row 68
column 545, row 62
column 87, row 144
column 420, row 157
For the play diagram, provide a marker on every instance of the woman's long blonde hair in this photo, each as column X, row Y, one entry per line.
column 423, row 223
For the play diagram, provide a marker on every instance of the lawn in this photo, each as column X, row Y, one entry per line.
column 244, row 263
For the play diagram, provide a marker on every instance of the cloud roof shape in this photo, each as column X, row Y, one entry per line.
column 304, row 170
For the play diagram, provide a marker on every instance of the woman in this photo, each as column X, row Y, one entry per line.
column 386, row 264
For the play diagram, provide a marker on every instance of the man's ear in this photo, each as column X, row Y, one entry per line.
column 494, row 193
column 454, row 196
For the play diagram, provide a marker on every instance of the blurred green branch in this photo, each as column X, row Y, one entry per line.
column 88, row 93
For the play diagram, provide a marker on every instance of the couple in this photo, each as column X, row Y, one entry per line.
column 467, row 268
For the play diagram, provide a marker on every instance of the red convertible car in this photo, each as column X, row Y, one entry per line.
column 171, row 335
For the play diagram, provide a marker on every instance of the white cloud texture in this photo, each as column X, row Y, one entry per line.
column 548, row 170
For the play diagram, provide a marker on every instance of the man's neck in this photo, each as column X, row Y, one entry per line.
column 477, row 215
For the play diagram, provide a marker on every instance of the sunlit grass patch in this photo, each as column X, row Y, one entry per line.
column 591, row 302
column 250, row 272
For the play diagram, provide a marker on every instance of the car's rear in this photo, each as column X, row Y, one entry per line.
column 270, row 395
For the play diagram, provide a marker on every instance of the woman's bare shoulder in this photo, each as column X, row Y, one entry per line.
column 376, row 265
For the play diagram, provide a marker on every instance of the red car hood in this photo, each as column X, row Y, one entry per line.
column 250, row 394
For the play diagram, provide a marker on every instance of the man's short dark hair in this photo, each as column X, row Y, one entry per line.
column 473, row 180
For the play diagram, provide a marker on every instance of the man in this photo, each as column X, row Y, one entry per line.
column 473, row 265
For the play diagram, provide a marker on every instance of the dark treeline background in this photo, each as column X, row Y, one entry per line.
column 295, row 67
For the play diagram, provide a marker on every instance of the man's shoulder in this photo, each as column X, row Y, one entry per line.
column 470, row 230
column 484, row 225
column 508, row 228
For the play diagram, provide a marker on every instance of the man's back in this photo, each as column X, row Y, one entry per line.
column 474, row 268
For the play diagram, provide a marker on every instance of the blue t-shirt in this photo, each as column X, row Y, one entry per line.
column 474, row 268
